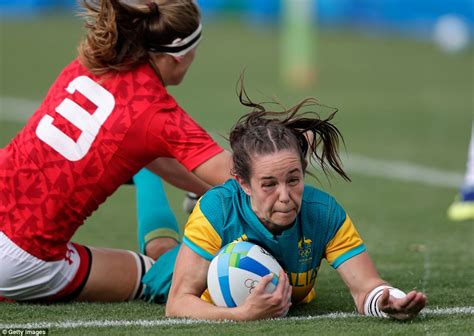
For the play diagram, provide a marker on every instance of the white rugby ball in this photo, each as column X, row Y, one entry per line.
column 237, row 269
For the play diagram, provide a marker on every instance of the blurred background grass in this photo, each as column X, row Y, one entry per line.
column 391, row 92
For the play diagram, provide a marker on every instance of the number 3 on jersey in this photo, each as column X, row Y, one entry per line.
column 88, row 124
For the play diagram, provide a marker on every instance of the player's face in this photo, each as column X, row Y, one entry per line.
column 276, row 188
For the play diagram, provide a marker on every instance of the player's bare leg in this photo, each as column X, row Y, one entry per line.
column 158, row 246
column 115, row 276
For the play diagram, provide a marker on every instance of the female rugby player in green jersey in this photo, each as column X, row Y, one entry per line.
column 269, row 204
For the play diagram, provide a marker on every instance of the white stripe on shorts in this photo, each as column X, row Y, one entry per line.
column 25, row 277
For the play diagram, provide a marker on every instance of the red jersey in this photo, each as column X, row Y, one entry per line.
column 89, row 136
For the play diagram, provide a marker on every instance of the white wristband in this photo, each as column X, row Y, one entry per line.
column 371, row 306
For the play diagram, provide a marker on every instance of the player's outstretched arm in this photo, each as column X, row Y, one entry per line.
column 189, row 282
column 216, row 170
column 373, row 296
column 176, row 174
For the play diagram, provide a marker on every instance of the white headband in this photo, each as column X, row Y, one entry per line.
column 179, row 47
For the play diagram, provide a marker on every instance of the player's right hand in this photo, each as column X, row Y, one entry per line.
column 262, row 305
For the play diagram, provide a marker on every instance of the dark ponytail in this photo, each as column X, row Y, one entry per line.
column 265, row 132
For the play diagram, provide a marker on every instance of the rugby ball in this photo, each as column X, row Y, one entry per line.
column 237, row 269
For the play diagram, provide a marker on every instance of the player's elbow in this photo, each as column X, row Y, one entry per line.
column 170, row 309
column 175, row 307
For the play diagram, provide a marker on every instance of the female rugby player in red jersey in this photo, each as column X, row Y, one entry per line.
column 106, row 116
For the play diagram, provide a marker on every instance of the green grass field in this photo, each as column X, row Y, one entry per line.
column 401, row 102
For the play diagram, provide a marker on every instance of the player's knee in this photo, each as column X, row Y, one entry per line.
column 157, row 247
column 144, row 263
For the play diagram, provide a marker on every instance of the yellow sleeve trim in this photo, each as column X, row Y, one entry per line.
column 201, row 233
column 346, row 239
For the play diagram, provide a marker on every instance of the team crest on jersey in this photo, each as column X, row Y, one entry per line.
column 305, row 249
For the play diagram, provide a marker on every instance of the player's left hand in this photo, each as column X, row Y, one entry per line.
column 404, row 308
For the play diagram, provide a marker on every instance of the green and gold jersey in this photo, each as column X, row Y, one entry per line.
column 322, row 230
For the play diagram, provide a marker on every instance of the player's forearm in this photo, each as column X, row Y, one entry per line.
column 176, row 174
column 193, row 307
column 216, row 170
column 361, row 277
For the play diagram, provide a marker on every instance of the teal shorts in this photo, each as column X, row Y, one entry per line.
column 157, row 280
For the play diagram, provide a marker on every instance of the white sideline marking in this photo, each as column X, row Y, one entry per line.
column 168, row 322
column 17, row 109
column 400, row 170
